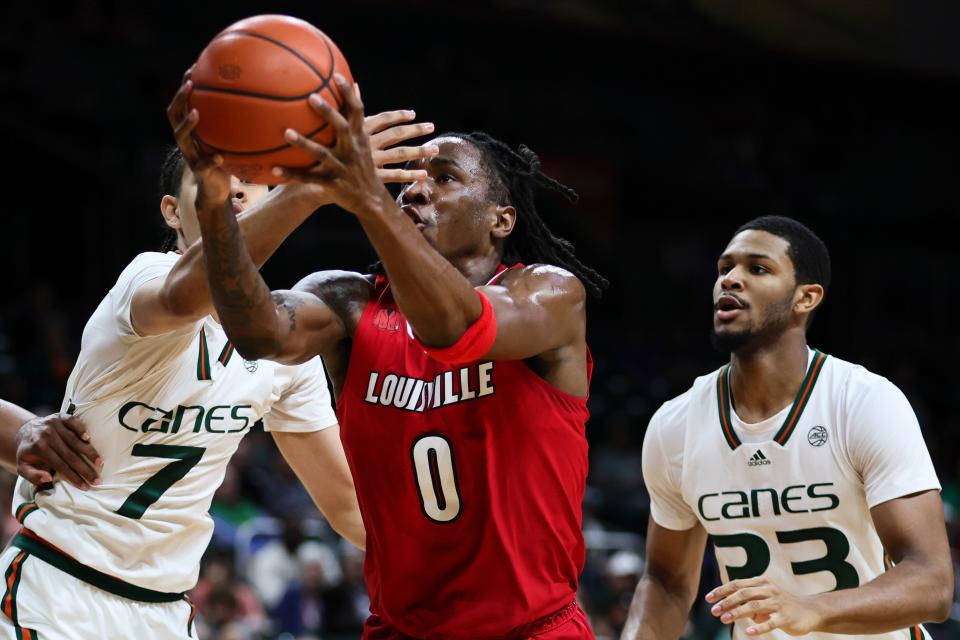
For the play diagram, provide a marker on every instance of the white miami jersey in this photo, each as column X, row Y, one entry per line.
column 166, row 413
column 789, row 498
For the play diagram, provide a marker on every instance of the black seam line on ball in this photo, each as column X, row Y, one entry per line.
column 262, row 96
column 258, row 151
column 326, row 79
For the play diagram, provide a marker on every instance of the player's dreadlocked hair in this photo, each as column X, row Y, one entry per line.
column 515, row 178
column 171, row 176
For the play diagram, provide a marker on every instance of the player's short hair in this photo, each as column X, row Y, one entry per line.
column 171, row 177
column 809, row 254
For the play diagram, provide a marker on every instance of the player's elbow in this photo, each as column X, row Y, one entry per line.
column 942, row 602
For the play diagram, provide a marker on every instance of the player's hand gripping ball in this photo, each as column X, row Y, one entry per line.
column 252, row 82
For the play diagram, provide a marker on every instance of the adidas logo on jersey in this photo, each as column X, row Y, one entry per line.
column 757, row 459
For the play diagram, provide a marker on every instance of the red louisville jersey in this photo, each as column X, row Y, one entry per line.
column 470, row 479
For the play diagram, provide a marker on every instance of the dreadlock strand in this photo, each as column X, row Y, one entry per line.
column 516, row 176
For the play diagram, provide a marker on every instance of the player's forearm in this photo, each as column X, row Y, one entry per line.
column 911, row 593
column 240, row 295
column 657, row 611
column 12, row 418
column 437, row 300
column 264, row 227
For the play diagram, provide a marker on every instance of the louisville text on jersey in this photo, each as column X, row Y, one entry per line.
column 414, row 394
column 758, row 503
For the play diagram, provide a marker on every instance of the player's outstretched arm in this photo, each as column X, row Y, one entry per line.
column 183, row 296
column 919, row 588
column 319, row 461
column 666, row 591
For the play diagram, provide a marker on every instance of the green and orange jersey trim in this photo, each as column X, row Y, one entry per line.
column 24, row 510
column 793, row 417
column 9, row 602
column 226, row 353
column 203, row 358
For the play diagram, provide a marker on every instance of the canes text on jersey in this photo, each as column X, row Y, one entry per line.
column 757, row 503
column 220, row 418
column 414, row 394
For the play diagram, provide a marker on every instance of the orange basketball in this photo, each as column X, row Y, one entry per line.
column 252, row 82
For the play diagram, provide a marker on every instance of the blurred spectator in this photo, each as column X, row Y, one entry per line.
column 278, row 563
column 230, row 508
column 222, row 600
column 318, row 603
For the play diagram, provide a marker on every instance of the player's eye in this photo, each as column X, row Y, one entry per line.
column 758, row 269
column 725, row 269
column 445, row 177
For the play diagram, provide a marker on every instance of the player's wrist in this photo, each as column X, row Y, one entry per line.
column 819, row 608
column 377, row 206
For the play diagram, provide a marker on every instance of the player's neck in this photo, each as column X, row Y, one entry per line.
column 477, row 269
column 764, row 381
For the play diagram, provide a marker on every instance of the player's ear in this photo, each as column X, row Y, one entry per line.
column 807, row 298
column 506, row 218
column 170, row 210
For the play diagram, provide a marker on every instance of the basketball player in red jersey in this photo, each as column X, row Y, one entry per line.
column 461, row 381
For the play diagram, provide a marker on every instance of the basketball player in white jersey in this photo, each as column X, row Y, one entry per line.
column 166, row 400
column 809, row 473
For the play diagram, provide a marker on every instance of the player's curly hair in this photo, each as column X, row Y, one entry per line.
column 171, row 177
column 515, row 178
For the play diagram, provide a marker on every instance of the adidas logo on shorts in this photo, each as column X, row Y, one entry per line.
column 757, row 459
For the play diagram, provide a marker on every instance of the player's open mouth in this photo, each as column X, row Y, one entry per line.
column 728, row 306
column 414, row 215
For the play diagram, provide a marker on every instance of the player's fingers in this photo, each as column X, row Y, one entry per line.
column 75, row 425
column 82, row 448
column 33, row 475
column 179, row 105
column 331, row 115
column 380, row 121
column 351, row 100
column 400, row 175
column 750, row 609
column 393, row 135
column 187, row 74
column 725, row 590
column 765, row 627
column 183, row 136
column 322, row 154
column 739, row 597
column 51, row 458
column 404, row 154
column 70, row 463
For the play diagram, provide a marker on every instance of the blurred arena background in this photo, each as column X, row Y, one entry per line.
column 676, row 120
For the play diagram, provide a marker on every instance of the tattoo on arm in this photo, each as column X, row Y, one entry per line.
column 241, row 296
column 289, row 306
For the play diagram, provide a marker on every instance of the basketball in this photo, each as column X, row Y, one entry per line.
column 252, row 82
